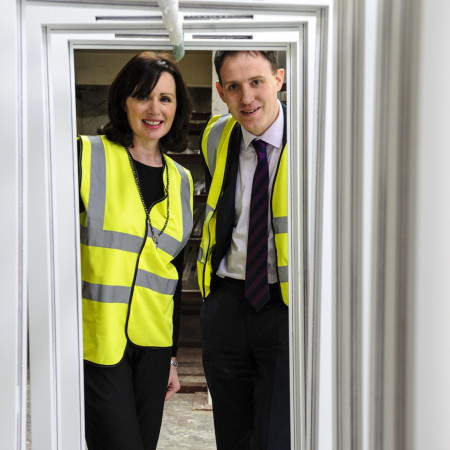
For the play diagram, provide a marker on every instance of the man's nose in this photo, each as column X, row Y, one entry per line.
column 247, row 95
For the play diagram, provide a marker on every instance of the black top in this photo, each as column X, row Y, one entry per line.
column 152, row 187
column 151, row 181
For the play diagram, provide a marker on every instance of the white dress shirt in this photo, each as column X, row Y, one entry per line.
column 234, row 262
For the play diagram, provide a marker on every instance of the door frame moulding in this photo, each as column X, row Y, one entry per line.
column 54, row 30
column 13, row 237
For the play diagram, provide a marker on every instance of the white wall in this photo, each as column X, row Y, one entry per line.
column 432, row 324
column 12, row 245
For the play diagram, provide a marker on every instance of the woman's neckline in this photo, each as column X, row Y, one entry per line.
column 139, row 163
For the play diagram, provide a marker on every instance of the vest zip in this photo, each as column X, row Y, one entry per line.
column 162, row 198
column 154, row 203
column 147, row 229
column 147, row 226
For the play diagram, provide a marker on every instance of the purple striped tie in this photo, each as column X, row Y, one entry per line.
column 256, row 280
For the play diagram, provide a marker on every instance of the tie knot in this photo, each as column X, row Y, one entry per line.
column 260, row 148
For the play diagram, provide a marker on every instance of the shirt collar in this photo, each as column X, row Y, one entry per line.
column 272, row 136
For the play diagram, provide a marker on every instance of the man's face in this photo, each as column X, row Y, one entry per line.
column 249, row 88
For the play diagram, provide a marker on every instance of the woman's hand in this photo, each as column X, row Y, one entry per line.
column 174, row 384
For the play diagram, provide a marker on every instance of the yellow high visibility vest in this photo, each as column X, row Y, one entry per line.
column 128, row 283
column 215, row 143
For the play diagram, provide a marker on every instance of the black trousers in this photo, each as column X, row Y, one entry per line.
column 246, row 362
column 124, row 403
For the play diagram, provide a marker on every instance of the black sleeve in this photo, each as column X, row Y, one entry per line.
column 80, row 152
column 206, row 172
column 208, row 178
column 178, row 263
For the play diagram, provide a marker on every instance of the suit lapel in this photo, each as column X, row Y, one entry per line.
column 226, row 204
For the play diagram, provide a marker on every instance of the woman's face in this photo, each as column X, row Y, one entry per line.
column 150, row 118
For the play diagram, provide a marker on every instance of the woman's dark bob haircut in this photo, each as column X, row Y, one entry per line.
column 138, row 78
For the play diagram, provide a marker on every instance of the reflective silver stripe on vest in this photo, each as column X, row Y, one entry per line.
column 185, row 194
column 208, row 209
column 283, row 273
column 110, row 239
column 165, row 242
column 280, row 225
column 97, row 191
column 213, row 139
column 200, row 255
column 159, row 284
column 105, row 294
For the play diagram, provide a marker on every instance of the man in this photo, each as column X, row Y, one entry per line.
column 242, row 263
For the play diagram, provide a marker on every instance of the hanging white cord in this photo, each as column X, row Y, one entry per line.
column 172, row 21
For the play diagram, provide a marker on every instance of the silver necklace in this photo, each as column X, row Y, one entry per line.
column 147, row 212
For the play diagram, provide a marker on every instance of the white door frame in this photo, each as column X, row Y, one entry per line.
column 53, row 31
column 13, row 245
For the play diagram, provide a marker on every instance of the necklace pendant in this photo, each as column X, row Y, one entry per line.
column 155, row 240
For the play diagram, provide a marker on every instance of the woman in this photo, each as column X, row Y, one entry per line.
column 136, row 218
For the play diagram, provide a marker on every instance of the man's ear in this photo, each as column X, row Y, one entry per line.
column 279, row 76
column 220, row 91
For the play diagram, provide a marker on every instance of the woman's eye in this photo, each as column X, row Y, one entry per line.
column 165, row 99
column 142, row 98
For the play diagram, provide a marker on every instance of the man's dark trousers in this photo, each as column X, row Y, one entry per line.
column 246, row 362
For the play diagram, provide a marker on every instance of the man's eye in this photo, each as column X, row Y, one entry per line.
column 232, row 87
column 256, row 82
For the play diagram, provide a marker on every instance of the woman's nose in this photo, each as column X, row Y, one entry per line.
column 152, row 106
